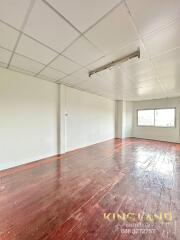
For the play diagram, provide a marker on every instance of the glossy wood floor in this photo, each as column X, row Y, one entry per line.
column 66, row 197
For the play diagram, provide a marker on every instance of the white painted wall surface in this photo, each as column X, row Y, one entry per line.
column 119, row 118
column 124, row 119
column 128, row 119
column 28, row 119
column 157, row 133
column 90, row 118
column 63, row 118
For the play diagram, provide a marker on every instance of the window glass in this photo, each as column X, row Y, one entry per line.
column 145, row 117
column 165, row 117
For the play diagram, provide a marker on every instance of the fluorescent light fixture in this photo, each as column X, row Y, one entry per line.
column 115, row 62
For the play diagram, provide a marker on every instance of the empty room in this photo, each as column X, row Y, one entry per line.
column 89, row 119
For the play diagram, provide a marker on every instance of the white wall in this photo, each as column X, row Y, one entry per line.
column 86, row 119
column 37, row 122
column 124, row 119
column 157, row 133
column 119, row 119
column 128, row 119
column 28, row 119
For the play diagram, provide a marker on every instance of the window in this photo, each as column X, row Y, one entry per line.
column 157, row 117
column 165, row 117
column 145, row 117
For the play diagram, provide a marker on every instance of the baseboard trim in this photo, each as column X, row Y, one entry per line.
column 26, row 166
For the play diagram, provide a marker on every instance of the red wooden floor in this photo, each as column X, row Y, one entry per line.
column 70, row 197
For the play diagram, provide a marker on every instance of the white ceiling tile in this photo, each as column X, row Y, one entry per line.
column 138, row 68
column 51, row 74
column 111, row 81
column 25, row 64
column 168, row 68
column 171, row 83
column 32, row 49
column 148, row 92
column 77, row 77
column 100, row 62
column 48, row 27
column 173, row 94
column 82, row 74
column 144, row 76
column 4, row 65
column 137, row 71
column 106, row 95
column 114, row 31
column 8, row 36
column 164, row 40
column 152, row 14
column 91, row 84
column 83, row 14
column 64, row 64
column 24, row 71
column 150, row 83
column 168, row 63
column 5, row 55
column 116, row 84
column 83, row 52
column 14, row 12
column 70, row 80
column 124, row 96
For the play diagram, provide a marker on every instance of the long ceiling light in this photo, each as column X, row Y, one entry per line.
column 115, row 62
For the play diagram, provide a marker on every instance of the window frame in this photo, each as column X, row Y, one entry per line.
column 142, row 109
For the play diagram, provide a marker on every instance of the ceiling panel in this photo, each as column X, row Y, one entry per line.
column 138, row 68
column 161, row 41
column 173, row 94
column 144, row 76
column 82, row 74
column 70, row 80
column 4, row 56
column 83, row 52
column 110, row 33
column 168, row 63
column 25, row 64
column 153, row 92
column 139, row 72
column 171, row 82
column 13, row 12
column 119, row 96
column 64, row 64
column 150, row 83
column 21, row 70
column 51, row 74
column 114, row 31
column 149, row 15
column 8, row 36
column 111, row 81
column 104, row 94
column 48, row 27
column 115, row 79
column 98, row 86
column 3, row 65
column 83, row 14
column 90, row 84
column 32, row 49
